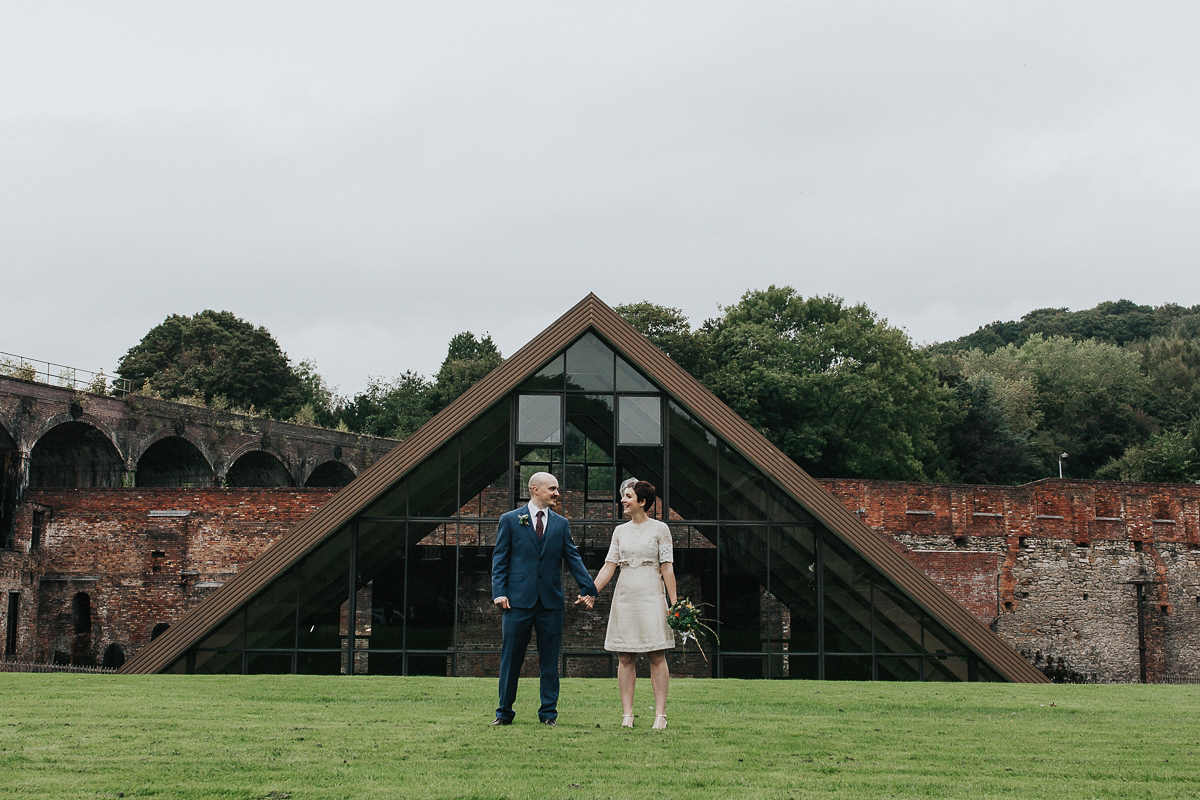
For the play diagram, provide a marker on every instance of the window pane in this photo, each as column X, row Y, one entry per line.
column 229, row 635
column 695, row 555
column 847, row 668
column 394, row 503
column 693, row 477
column 945, row 668
column 478, row 620
column 641, row 420
column 271, row 615
column 630, row 380
column 209, row 662
column 590, row 365
column 939, row 640
column 431, row 582
column 324, row 578
column 549, row 377
column 539, row 419
column 433, row 486
column 320, row 663
column 590, row 485
column 794, row 582
column 847, row 598
column 898, row 669
column 744, row 490
column 380, row 582
column 485, row 467
column 269, row 664
column 744, row 564
column 645, row 464
column 897, row 621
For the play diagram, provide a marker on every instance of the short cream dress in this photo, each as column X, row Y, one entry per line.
column 637, row 621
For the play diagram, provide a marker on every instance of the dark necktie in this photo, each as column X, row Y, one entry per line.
column 540, row 527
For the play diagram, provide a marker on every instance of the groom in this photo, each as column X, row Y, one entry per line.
column 531, row 544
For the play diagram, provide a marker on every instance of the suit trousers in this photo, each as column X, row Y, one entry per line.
column 516, row 625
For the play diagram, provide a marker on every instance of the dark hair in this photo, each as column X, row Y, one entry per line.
column 644, row 491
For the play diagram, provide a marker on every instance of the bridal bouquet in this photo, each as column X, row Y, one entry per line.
column 684, row 617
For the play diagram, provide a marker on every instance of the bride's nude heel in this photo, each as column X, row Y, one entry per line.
column 660, row 722
column 627, row 721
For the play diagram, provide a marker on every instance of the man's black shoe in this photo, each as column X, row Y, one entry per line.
column 498, row 721
column 550, row 722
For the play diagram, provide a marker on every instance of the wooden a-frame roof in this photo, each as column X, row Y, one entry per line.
column 590, row 313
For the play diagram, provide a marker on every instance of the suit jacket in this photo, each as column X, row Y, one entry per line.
column 525, row 570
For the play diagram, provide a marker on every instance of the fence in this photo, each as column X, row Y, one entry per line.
column 30, row 666
column 84, row 380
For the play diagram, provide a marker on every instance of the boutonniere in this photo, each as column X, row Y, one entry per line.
column 524, row 518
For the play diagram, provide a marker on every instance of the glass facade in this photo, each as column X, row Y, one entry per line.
column 405, row 587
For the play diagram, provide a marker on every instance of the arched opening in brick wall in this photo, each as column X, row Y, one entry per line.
column 114, row 657
column 173, row 462
column 74, row 455
column 258, row 469
column 331, row 474
column 10, row 486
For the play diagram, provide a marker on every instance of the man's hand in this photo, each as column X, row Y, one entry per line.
column 587, row 599
column 503, row 603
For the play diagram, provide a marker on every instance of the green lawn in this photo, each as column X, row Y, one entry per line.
column 90, row 736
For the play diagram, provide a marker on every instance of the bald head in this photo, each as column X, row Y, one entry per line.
column 543, row 490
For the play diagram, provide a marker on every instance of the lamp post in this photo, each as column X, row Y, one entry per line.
column 1061, row 456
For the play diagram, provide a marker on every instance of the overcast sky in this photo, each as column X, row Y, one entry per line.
column 367, row 179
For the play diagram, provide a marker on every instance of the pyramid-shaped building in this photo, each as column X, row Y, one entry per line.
column 391, row 576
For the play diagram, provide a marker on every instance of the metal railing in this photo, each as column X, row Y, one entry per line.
column 83, row 380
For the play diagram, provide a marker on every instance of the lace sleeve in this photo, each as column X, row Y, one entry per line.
column 665, row 551
column 614, row 550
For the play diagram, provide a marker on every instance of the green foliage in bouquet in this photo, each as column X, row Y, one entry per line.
column 684, row 616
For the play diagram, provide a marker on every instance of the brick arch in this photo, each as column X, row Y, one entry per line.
column 137, row 450
column 75, row 453
column 173, row 461
column 53, row 422
column 332, row 474
column 255, row 467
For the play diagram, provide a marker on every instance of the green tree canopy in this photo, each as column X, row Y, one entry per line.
column 835, row 387
column 216, row 357
column 1068, row 395
column 396, row 408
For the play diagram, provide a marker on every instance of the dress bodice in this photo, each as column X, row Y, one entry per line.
column 636, row 545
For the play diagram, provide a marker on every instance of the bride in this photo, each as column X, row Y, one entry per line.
column 637, row 621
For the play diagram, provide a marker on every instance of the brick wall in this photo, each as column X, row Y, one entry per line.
column 142, row 556
column 1054, row 567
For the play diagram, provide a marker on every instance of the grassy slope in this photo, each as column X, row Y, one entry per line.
column 68, row 736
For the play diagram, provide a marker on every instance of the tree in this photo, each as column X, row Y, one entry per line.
column 468, row 359
column 393, row 408
column 982, row 446
column 836, row 388
column 218, row 358
column 671, row 332
column 398, row 407
column 1171, row 456
column 1082, row 397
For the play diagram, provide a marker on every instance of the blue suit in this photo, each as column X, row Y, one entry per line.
column 529, row 573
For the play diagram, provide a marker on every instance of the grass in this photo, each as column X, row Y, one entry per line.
column 300, row 737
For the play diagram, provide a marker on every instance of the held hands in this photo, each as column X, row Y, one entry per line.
column 587, row 600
